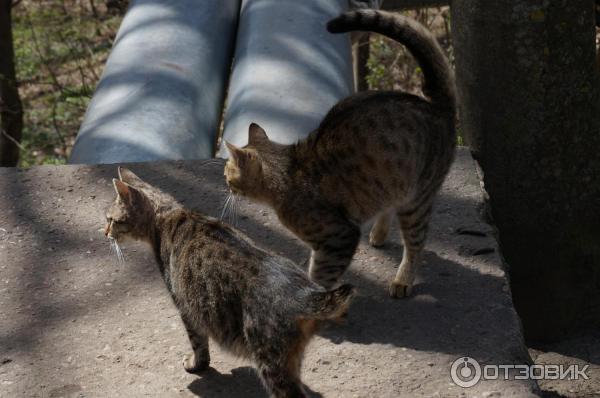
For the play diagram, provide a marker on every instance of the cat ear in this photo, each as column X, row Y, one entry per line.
column 122, row 189
column 236, row 153
column 256, row 135
column 130, row 195
column 129, row 177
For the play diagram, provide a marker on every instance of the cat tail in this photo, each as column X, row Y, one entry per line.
column 331, row 304
column 439, row 78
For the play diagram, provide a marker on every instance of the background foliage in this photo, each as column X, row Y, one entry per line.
column 61, row 47
column 60, row 50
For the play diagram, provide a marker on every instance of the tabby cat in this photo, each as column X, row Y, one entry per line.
column 375, row 154
column 254, row 303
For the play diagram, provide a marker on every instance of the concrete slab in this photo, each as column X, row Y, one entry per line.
column 77, row 324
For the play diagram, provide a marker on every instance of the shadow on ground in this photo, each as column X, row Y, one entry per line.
column 76, row 319
column 242, row 381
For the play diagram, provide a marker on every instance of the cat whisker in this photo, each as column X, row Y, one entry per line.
column 120, row 254
column 114, row 247
column 236, row 209
column 225, row 206
column 212, row 161
column 232, row 213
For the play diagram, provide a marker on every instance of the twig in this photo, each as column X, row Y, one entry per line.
column 94, row 9
column 36, row 46
column 11, row 139
column 73, row 52
column 56, row 127
column 89, row 61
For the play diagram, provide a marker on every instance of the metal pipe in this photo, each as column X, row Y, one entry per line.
column 163, row 87
column 288, row 70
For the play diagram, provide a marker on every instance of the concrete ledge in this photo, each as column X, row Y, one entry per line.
column 76, row 323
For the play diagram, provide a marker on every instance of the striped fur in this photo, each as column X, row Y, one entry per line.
column 254, row 303
column 374, row 155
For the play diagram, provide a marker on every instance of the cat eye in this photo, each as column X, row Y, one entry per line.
column 113, row 221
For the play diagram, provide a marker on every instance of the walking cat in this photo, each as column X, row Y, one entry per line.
column 375, row 154
column 254, row 303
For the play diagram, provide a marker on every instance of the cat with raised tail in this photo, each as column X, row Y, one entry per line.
column 254, row 303
column 375, row 155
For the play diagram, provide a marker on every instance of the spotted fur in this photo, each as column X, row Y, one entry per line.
column 374, row 155
column 254, row 303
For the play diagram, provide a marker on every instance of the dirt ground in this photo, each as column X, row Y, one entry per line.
column 75, row 323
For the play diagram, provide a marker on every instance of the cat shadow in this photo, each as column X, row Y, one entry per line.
column 241, row 383
column 418, row 322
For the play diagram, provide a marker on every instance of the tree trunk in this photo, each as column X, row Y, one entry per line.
column 528, row 84
column 11, row 110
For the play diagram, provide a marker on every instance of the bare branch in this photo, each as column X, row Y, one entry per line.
column 11, row 139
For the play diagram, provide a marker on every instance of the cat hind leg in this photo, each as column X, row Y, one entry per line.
column 280, row 383
column 332, row 255
column 380, row 229
column 414, row 225
column 278, row 355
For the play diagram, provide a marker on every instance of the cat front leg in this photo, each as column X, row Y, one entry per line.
column 199, row 360
column 332, row 255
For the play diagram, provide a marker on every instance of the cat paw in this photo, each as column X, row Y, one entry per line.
column 400, row 290
column 376, row 241
column 195, row 367
column 377, row 237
